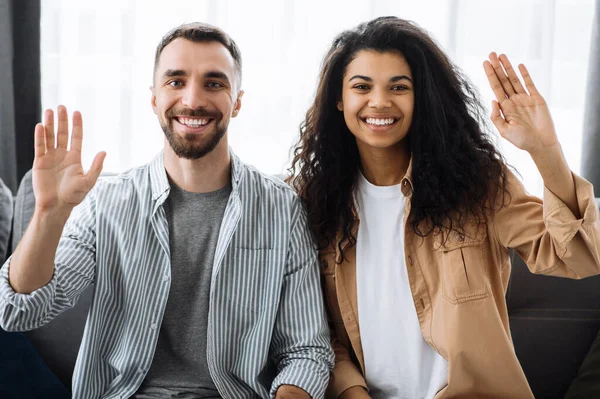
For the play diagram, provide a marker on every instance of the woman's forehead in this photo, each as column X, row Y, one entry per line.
column 371, row 62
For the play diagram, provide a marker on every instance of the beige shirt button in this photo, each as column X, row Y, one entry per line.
column 410, row 261
column 460, row 237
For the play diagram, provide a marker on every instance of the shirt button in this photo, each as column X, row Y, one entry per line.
column 166, row 278
column 141, row 371
column 461, row 237
column 153, row 326
column 410, row 261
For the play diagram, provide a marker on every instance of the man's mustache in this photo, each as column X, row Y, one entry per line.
column 194, row 113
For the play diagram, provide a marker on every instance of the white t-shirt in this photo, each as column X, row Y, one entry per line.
column 398, row 361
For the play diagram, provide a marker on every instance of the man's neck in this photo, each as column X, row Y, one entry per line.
column 203, row 175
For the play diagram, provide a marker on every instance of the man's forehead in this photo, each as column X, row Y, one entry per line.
column 189, row 56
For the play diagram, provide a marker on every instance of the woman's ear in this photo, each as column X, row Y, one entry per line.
column 340, row 105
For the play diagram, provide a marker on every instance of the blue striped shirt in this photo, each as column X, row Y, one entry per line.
column 266, row 323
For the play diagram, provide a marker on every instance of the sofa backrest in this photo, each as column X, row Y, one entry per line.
column 553, row 322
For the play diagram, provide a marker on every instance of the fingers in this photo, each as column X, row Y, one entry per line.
column 62, row 138
column 528, row 81
column 94, row 172
column 501, row 75
column 39, row 141
column 512, row 75
column 49, row 127
column 494, row 81
column 77, row 134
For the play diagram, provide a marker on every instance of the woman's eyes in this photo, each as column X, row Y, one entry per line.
column 363, row 87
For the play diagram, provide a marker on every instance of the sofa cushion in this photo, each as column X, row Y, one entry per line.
column 23, row 374
column 6, row 215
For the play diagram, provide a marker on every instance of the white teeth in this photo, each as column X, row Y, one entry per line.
column 193, row 122
column 380, row 122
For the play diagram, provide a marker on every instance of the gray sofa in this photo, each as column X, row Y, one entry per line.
column 58, row 341
column 553, row 320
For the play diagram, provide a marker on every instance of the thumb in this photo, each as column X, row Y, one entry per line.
column 94, row 172
column 497, row 118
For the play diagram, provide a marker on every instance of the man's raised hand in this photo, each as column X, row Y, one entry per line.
column 59, row 182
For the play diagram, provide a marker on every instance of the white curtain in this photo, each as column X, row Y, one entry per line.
column 97, row 57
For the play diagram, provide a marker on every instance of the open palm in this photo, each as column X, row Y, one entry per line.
column 59, row 181
column 521, row 116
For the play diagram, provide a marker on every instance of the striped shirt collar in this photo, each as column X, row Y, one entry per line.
column 160, row 183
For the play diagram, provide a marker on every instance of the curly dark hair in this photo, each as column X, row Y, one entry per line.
column 457, row 172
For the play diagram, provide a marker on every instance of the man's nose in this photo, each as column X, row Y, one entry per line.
column 193, row 97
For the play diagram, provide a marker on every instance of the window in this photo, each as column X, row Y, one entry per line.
column 97, row 57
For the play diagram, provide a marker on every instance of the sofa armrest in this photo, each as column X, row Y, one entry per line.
column 6, row 216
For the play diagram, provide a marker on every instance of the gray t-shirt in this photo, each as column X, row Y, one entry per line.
column 179, row 367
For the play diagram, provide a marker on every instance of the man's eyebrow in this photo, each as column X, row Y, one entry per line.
column 217, row 75
column 169, row 73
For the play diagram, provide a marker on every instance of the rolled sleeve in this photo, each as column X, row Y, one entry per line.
column 576, row 238
column 559, row 219
column 36, row 305
column 74, row 270
column 547, row 235
column 301, row 345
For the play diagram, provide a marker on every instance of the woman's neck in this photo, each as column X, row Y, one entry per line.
column 384, row 166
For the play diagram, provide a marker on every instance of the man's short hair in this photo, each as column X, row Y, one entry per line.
column 202, row 33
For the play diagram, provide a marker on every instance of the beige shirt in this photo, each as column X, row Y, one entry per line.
column 459, row 286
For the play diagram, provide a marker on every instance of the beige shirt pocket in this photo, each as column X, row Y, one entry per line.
column 463, row 271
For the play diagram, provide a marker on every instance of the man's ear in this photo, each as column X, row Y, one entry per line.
column 238, row 104
column 153, row 100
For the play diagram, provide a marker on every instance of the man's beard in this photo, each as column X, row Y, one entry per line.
column 186, row 147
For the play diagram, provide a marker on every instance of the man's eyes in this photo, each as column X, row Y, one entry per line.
column 215, row 85
column 175, row 83
column 209, row 85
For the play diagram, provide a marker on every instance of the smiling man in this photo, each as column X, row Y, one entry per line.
column 206, row 278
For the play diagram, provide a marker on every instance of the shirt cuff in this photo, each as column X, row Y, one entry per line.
column 306, row 376
column 559, row 218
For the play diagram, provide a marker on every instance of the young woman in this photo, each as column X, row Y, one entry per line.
column 414, row 210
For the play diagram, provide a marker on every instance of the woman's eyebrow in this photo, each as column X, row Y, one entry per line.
column 400, row 77
column 368, row 79
column 392, row 79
